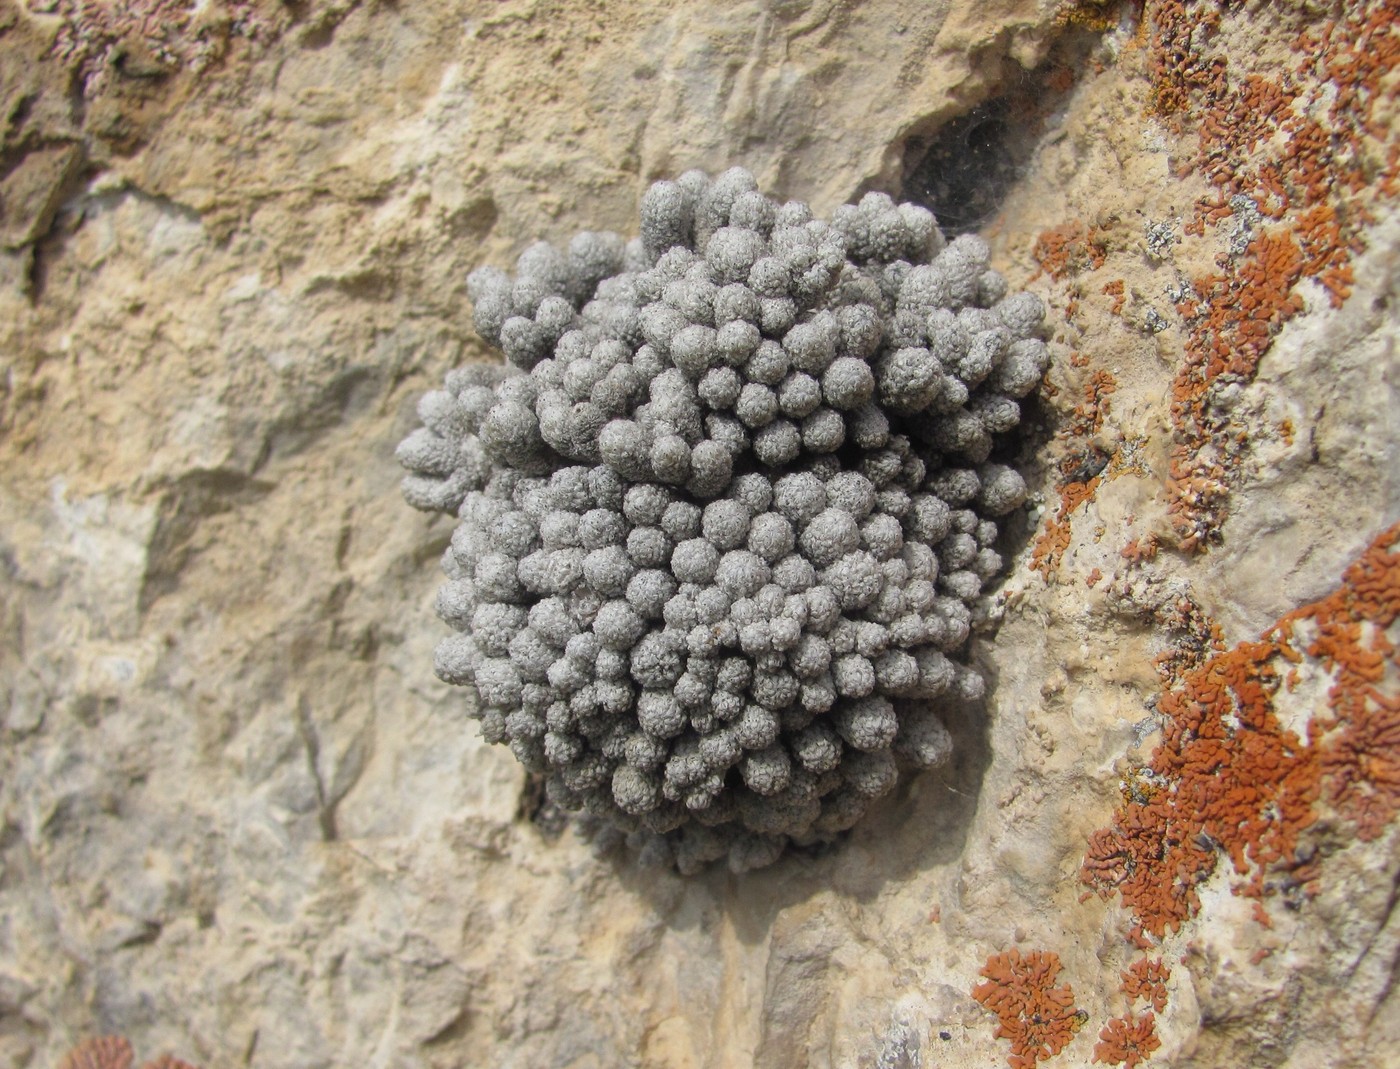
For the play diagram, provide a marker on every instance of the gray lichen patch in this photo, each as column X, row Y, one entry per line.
column 723, row 513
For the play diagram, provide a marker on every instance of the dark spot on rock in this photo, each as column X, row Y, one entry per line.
column 964, row 172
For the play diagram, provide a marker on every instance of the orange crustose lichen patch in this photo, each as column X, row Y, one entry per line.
column 1305, row 148
column 1127, row 1040
column 1359, row 743
column 1115, row 289
column 1147, row 979
column 1069, row 248
column 1175, row 73
column 1035, row 1015
column 100, row 1052
column 113, row 1052
column 1080, row 470
column 1238, row 782
column 1140, row 550
column 1231, row 327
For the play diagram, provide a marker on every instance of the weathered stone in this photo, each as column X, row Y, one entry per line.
column 239, row 818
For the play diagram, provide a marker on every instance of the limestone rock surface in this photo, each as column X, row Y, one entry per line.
column 240, row 819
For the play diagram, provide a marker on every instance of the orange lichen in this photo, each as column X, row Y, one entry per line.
column 113, row 1052
column 1140, row 550
column 1080, row 470
column 1175, row 73
column 1362, row 767
column 1359, row 743
column 1147, row 979
column 1261, row 915
column 1037, row 1017
column 1305, row 148
column 1232, row 324
column 1239, row 783
column 1115, row 289
column 100, row 1052
column 1127, row 1040
column 1068, row 249
column 1050, row 546
column 1294, row 156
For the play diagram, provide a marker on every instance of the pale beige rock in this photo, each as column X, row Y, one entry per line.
column 239, row 817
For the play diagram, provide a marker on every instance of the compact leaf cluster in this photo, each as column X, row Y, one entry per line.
column 724, row 510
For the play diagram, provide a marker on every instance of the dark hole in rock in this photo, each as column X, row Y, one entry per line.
column 963, row 168
column 963, row 172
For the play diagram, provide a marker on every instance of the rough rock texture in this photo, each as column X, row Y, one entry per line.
column 240, row 819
